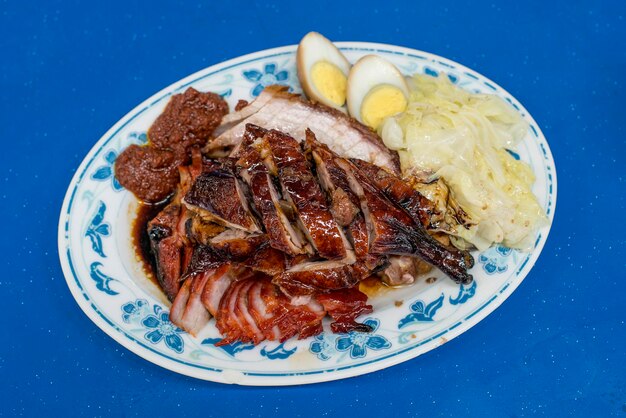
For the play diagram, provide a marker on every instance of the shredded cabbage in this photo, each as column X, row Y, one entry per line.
column 462, row 138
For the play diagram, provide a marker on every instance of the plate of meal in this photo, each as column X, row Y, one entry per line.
column 307, row 213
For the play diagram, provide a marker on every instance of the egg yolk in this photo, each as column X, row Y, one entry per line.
column 382, row 101
column 329, row 81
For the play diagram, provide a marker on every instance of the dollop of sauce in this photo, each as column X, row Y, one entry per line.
column 150, row 172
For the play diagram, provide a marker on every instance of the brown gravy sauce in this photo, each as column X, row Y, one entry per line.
column 141, row 241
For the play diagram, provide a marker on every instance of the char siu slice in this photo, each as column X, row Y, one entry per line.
column 216, row 286
column 344, row 306
column 195, row 316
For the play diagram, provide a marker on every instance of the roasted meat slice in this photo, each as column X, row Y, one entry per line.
column 219, row 280
column 392, row 230
column 275, row 108
column 310, row 278
column 267, row 201
column 217, row 196
column 201, row 231
column 236, row 245
column 303, row 192
column 203, row 258
column 169, row 248
column 254, row 309
column 188, row 312
column 345, row 204
column 420, row 208
column 344, row 306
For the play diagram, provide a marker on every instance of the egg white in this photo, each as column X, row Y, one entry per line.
column 369, row 72
column 312, row 49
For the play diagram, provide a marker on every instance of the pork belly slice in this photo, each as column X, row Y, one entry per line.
column 275, row 108
column 218, row 196
column 392, row 230
column 420, row 208
column 303, row 192
column 267, row 201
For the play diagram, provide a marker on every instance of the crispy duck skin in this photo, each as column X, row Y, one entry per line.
column 236, row 245
column 283, row 236
column 217, row 196
column 315, row 279
column 345, row 204
column 303, row 192
column 392, row 230
column 168, row 233
column 420, row 208
column 276, row 108
column 203, row 258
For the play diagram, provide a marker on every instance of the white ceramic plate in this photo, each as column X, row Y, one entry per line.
column 108, row 283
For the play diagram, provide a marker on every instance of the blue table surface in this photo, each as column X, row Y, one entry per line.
column 69, row 71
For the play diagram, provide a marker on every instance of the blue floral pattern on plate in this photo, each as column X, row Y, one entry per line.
column 105, row 172
column 323, row 346
column 266, row 78
column 97, row 229
column 494, row 260
column 103, row 282
column 160, row 327
column 357, row 343
column 465, row 292
column 232, row 348
column 279, row 352
column 135, row 311
column 422, row 312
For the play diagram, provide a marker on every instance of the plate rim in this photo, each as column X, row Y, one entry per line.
column 294, row 379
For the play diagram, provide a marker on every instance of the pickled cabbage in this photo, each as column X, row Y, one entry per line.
column 462, row 138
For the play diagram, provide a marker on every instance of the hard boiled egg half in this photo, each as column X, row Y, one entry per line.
column 322, row 70
column 376, row 90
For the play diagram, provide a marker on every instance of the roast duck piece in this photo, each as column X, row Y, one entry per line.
column 276, row 224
